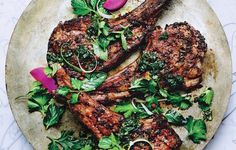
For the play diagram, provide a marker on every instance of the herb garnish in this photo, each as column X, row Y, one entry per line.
column 163, row 36
column 110, row 142
column 40, row 100
column 196, row 129
column 175, row 118
column 150, row 62
column 205, row 102
column 68, row 142
column 82, row 7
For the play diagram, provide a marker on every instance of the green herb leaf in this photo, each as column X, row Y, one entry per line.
column 175, row 118
column 110, row 142
column 173, row 81
column 152, row 104
column 63, row 91
column 38, row 100
column 74, row 98
column 53, row 146
column 66, row 141
column 93, row 81
column 144, row 86
column 51, row 71
column 80, row 7
column 205, row 99
column 124, row 42
column 127, row 109
column 196, row 129
column 53, row 115
column 76, row 84
column 87, row 147
column 98, row 51
column 164, row 36
column 186, row 104
column 93, row 3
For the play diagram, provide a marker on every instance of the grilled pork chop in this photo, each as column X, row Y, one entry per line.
column 182, row 49
column 99, row 119
column 75, row 34
column 157, row 130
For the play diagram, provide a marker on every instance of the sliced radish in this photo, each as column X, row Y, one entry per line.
column 40, row 75
column 113, row 5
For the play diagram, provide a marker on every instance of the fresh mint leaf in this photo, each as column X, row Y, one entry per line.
column 93, row 81
column 196, row 129
column 63, row 91
column 53, row 115
column 76, row 84
column 175, row 118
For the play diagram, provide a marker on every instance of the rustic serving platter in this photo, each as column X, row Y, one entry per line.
column 28, row 48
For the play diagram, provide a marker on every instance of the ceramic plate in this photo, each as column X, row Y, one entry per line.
column 28, row 48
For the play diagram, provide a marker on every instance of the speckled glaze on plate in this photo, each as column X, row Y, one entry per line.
column 28, row 48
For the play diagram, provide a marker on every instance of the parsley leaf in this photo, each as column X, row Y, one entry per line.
column 144, row 86
column 74, row 98
column 205, row 99
column 98, row 51
column 76, row 84
column 176, row 99
column 81, row 7
column 196, row 129
column 38, row 99
column 205, row 102
column 63, row 91
column 53, row 115
column 51, row 71
column 110, row 142
column 127, row 109
column 175, row 118
column 93, row 81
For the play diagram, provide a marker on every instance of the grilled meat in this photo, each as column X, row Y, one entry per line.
column 99, row 119
column 182, row 50
column 157, row 130
column 74, row 33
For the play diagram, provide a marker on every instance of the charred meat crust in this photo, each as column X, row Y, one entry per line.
column 74, row 32
column 99, row 119
column 158, row 131
column 183, row 52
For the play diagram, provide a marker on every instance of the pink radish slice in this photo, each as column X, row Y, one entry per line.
column 39, row 75
column 113, row 5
